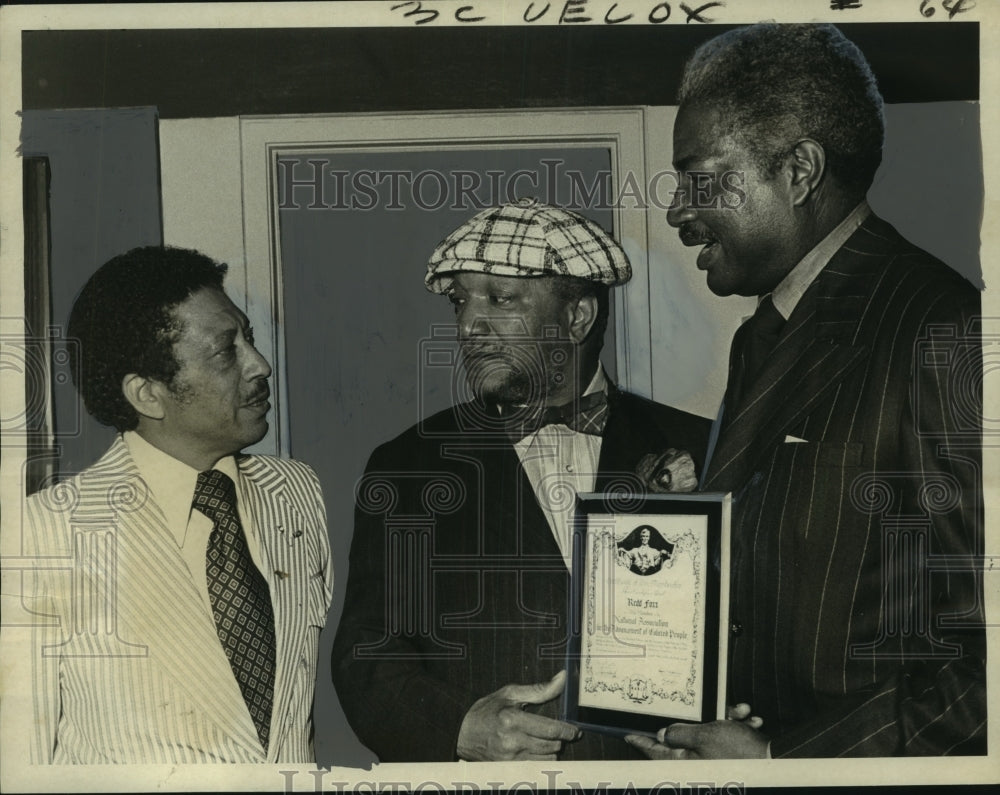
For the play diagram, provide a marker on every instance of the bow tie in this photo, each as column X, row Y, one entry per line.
column 588, row 414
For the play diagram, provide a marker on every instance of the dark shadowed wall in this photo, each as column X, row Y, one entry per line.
column 104, row 199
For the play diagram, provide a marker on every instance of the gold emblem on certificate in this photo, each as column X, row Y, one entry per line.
column 649, row 609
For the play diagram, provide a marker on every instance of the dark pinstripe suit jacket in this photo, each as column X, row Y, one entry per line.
column 456, row 585
column 856, row 615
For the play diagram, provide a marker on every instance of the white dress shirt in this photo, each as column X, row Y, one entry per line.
column 171, row 484
column 561, row 463
column 790, row 290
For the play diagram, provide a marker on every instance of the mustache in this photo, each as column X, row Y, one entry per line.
column 260, row 395
column 692, row 235
column 479, row 350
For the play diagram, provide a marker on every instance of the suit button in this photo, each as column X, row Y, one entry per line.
column 736, row 628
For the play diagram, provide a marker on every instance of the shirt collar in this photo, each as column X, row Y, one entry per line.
column 599, row 383
column 790, row 290
column 171, row 481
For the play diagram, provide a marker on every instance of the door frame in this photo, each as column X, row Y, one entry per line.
column 266, row 139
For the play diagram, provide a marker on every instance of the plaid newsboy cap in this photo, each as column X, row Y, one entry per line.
column 528, row 239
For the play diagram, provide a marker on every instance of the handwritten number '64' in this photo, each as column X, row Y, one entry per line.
column 953, row 7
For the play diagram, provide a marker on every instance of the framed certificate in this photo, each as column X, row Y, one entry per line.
column 649, row 610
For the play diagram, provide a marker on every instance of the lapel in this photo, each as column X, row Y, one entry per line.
column 157, row 602
column 536, row 538
column 820, row 344
column 624, row 435
column 281, row 533
column 507, row 490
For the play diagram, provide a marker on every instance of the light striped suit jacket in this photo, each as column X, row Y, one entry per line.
column 128, row 667
column 854, row 460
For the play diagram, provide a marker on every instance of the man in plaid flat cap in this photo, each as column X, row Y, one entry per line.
column 454, row 630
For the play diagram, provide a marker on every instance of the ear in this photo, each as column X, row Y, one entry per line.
column 145, row 395
column 581, row 316
column 808, row 165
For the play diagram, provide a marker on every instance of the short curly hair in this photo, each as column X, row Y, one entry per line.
column 776, row 84
column 124, row 322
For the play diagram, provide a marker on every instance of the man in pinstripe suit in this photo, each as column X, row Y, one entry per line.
column 179, row 615
column 853, row 459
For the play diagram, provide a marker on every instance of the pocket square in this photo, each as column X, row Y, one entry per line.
column 795, row 440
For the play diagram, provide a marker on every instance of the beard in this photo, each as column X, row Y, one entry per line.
column 505, row 375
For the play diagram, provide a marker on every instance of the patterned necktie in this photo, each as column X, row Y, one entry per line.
column 240, row 599
column 588, row 414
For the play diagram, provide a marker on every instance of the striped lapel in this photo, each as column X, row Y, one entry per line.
column 817, row 348
column 509, row 485
column 158, row 604
column 281, row 535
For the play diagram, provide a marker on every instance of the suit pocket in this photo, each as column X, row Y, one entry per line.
column 806, row 487
column 787, row 484
column 821, row 454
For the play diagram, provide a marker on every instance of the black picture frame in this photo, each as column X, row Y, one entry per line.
column 603, row 510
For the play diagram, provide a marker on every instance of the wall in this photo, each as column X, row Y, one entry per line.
column 199, row 73
column 104, row 199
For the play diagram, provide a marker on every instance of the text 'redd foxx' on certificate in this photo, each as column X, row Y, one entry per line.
column 643, row 635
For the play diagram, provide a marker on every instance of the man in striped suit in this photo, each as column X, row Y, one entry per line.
column 179, row 614
column 850, row 432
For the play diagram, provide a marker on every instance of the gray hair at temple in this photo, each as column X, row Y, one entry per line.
column 774, row 85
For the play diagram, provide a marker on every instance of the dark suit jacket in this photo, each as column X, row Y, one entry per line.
column 856, row 614
column 456, row 584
